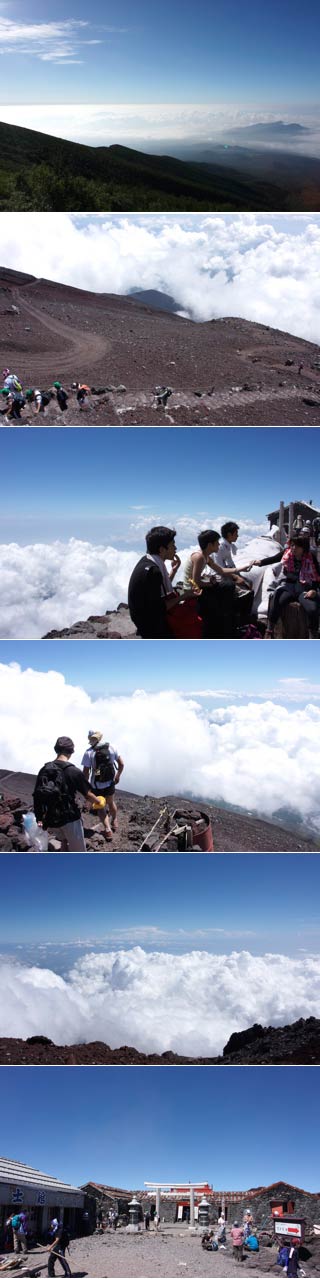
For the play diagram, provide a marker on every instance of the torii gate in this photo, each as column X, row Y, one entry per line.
column 189, row 1186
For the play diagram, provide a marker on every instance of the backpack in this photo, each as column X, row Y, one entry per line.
column 52, row 797
column 283, row 1256
column 16, row 1222
column 64, row 1238
column 104, row 764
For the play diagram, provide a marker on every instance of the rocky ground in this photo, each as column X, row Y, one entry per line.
column 295, row 1045
column 232, row 831
column 223, row 372
column 114, row 624
column 169, row 1253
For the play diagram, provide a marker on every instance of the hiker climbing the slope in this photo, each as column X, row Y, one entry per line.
column 11, row 381
column 15, row 401
column 54, row 797
column 62, row 396
column 39, row 399
column 299, row 581
column 150, row 592
column 82, row 390
column 102, row 765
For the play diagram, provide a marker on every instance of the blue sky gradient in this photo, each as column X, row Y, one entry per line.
column 55, row 493
column 215, row 51
column 218, row 904
column 135, row 1127
column 278, row 671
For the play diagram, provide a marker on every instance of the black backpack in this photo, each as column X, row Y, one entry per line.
column 53, row 800
column 64, row 1237
column 104, row 764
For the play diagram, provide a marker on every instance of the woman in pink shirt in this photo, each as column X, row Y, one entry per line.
column 236, row 1233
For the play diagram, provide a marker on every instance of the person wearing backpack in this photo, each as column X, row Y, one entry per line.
column 54, row 797
column 102, row 766
column 61, row 1240
column 18, row 1231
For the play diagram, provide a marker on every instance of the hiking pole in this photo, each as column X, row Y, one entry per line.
column 153, row 828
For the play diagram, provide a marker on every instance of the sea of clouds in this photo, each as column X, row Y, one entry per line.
column 52, row 585
column 153, row 126
column 191, row 1003
column 214, row 266
column 260, row 755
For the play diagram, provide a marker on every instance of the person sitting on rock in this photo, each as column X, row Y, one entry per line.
column 54, row 797
column 102, row 765
column 225, row 557
column 217, row 604
column 299, row 581
column 150, row 591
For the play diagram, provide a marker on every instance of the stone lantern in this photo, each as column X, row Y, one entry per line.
column 134, row 1216
column 203, row 1213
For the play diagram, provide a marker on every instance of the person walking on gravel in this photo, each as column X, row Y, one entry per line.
column 58, row 1247
column 54, row 797
column 103, row 766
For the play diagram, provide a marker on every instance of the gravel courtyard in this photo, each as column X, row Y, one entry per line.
column 171, row 1253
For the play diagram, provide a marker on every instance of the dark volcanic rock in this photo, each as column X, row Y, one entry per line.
column 241, row 1038
column 232, row 832
column 298, row 1044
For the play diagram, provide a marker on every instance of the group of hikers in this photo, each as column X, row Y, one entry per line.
column 244, row 1238
column 15, row 398
column 241, row 1236
column 55, row 794
column 215, row 599
column 17, row 1233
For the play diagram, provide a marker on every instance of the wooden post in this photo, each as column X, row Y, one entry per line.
column 291, row 519
column 281, row 523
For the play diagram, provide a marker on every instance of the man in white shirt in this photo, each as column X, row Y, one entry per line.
column 102, row 765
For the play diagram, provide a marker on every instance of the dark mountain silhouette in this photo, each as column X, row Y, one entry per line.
column 43, row 173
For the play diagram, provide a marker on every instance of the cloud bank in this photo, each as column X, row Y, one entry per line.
column 260, row 756
column 200, row 998
column 153, row 124
column 46, row 586
column 213, row 265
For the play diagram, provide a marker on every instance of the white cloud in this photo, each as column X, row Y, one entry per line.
column 46, row 586
column 48, row 41
column 260, row 756
column 213, row 265
column 200, row 998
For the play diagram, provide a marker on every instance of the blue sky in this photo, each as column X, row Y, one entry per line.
column 289, row 671
column 136, row 1128
column 55, row 493
column 217, row 904
column 216, row 51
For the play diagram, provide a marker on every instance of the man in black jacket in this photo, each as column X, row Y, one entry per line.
column 150, row 594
